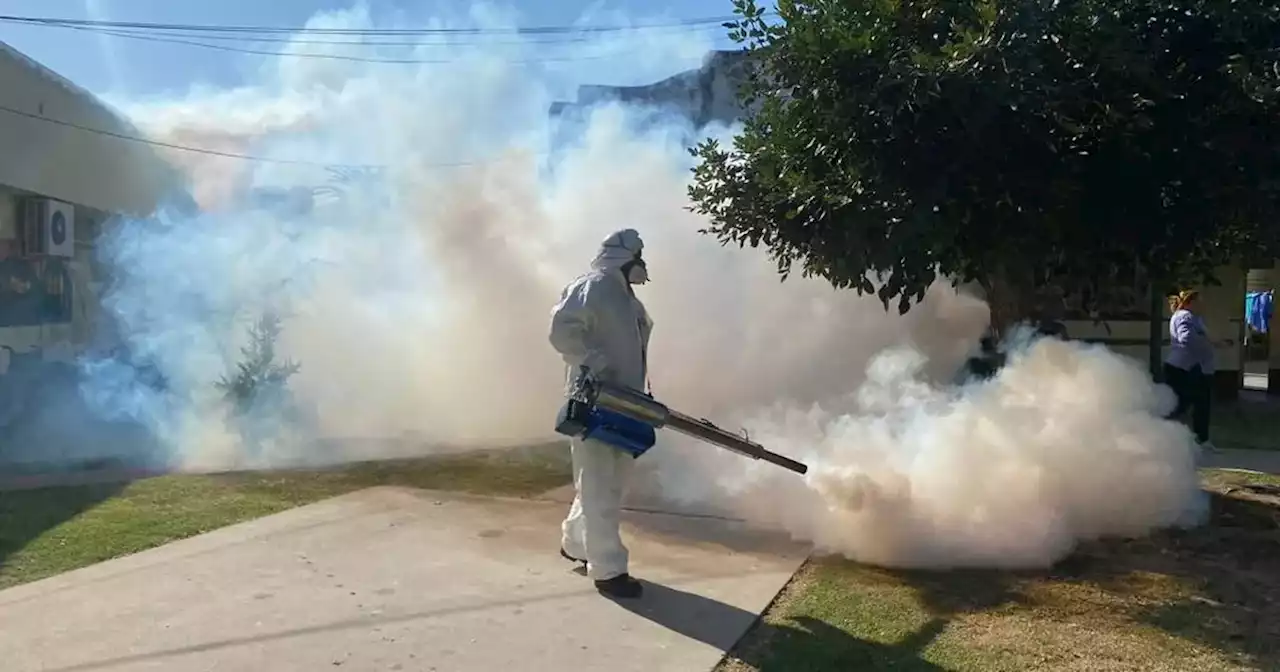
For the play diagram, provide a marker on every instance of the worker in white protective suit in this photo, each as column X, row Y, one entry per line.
column 599, row 323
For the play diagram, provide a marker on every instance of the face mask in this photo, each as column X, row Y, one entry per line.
column 638, row 273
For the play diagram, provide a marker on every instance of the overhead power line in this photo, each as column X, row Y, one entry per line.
column 450, row 41
column 538, row 30
column 198, row 40
column 131, row 30
column 342, row 57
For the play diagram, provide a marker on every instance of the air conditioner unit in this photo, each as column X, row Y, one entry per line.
column 48, row 228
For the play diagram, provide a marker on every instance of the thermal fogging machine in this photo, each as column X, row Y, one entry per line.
column 627, row 419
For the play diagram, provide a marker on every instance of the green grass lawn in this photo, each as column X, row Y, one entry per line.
column 1199, row 600
column 52, row 530
column 1206, row 599
column 1253, row 425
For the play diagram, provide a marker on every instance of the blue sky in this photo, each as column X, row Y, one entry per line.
column 125, row 67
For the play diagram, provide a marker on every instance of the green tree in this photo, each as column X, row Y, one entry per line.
column 258, row 378
column 262, row 408
column 1016, row 143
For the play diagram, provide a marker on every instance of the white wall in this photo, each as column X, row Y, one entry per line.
column 57, row 340
column 97, row 173
column 1221, row 306
column 69, row 164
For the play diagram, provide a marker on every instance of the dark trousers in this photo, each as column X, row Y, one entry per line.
column 1195, row 391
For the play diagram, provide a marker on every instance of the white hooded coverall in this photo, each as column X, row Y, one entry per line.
column 599, row 323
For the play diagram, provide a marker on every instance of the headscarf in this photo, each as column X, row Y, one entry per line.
column 1181, row 299
column 618, row 249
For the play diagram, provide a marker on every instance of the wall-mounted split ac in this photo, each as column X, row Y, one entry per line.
column 48, row 228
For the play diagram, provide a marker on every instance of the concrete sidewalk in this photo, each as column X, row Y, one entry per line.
column 396, row 579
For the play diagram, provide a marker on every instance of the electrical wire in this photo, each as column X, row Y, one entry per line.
column 130, row 31
column 163, row 39
column 538, row 30
column 339, row 57
column 251, row 37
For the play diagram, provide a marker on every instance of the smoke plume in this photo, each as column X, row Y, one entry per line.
column 415, row 296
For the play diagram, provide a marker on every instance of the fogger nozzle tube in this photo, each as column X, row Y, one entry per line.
column 712, row 434
column 644, row 408
column 631, row 403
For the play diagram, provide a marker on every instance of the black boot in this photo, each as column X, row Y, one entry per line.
column 621, row 586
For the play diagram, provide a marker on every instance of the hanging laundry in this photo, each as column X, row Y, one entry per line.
column 1267, row 309
column 1258, row 308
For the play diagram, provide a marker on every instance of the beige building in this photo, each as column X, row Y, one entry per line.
column 1222, row 307
column 64, row 171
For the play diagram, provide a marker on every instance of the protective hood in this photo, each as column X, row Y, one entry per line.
column 616, row 250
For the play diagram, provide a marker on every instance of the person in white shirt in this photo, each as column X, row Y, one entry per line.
column 599, row 323
column 1188, row 367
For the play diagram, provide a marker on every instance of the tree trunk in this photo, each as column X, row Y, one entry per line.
column 1011, row 302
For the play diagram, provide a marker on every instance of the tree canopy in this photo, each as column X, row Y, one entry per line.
column 1023, row 142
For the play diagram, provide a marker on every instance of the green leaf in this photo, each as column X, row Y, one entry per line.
column 1017, row 143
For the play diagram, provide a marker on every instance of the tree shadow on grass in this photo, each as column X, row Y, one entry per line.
column 27, row 514
column 1251, row 422
column 806, row 643
column 1217, row 585
column 961, row 591
column 799, row 643
column 1232, row 566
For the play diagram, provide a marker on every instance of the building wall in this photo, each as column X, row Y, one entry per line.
column 1261, row 280
column 56, row 339
column 56, row 141
column 1222, row 308
column 1273, row 366
column 40, row 155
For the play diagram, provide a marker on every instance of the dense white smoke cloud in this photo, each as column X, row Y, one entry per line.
column 416, row 301
column 1064, row 445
